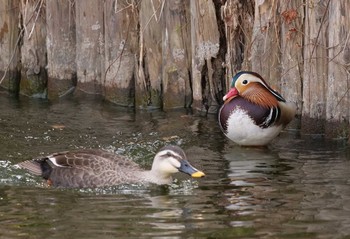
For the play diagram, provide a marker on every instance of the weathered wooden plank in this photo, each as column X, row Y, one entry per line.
column 9, row 45
column 205, row 46
column 89, row 45
column 292, row 14
column 121, row 35
column 176, row 55
column 33, row 51
column 338, row 85
column 315, row 72
column 149, row 70
column 266, row 45
column 61, row 52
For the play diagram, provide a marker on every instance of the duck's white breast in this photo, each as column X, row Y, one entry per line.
column 242, row 130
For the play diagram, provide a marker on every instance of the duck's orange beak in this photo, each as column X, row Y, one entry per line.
column 233, row 92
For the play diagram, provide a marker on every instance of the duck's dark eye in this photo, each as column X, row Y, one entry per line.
column 244, row 82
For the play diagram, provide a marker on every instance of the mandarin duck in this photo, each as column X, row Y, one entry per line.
column 89, row 168
column 253, row 114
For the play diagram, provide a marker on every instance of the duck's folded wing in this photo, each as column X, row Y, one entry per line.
column 88, row 159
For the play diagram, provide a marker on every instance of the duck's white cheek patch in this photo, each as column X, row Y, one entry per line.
column 175, row 162
column 171, row 165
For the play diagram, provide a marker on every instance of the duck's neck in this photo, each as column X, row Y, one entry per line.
column 155, row 177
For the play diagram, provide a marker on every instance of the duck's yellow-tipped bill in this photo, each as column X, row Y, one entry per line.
column 197, row 174
column 187, row 168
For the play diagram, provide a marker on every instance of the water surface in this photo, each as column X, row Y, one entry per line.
column 298, row 187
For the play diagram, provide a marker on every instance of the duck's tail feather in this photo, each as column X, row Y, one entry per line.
column 32, row 166
column 288, row 110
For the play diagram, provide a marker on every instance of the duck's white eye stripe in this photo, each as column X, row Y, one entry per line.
column 170, row 153
column 251, row 78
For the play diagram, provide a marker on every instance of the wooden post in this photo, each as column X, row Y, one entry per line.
column 205, row 46
column 9, row 45
column 120, row 46
column 338, row 85
column 176, row 55
column 238, row 17
column 60, row 42
column 33, row 51
column 292, row 14
column 149, row 70
column 266, row 45
column 89, row 45
column 315, row 66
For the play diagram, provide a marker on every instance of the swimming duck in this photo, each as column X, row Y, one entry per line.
column 89, row 168
column 253, row 114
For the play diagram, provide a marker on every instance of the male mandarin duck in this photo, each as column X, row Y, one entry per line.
column 253, row 114
column 90, row 168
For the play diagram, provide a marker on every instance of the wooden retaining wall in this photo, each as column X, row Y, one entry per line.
column 174, row 54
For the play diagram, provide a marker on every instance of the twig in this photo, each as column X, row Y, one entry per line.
column 161, row 10
column 120, row 55
column 154, row 15
column 140, row 71
column 37, row 15
column 13, row 55
column 154, row 10
column 319, row 30
column 25, row 15
column 116, row 7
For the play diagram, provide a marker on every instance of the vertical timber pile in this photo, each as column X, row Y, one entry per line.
column 291, row 46
column 149, row 68
column 89, row 45
column 121, row 26
column 9, row 45
column 176, row 51
column 266, row 48
column 60, row 43
column 33, row 50
column 238, row 17
column 315, row 66
column 205, row 46
column 338, row 97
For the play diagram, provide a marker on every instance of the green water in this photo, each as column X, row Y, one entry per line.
column 298, row 187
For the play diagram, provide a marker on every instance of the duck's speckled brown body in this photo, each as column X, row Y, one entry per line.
column 97, row 168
